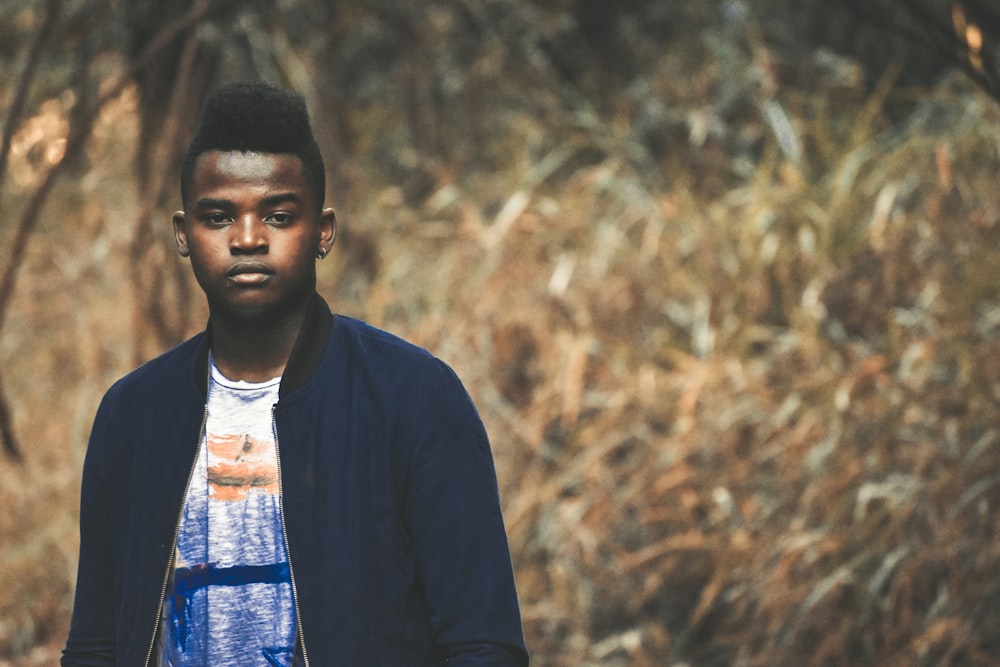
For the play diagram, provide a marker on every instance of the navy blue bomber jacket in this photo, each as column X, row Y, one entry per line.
column 397, row 546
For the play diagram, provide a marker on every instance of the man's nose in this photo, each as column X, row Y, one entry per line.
column 249, row 235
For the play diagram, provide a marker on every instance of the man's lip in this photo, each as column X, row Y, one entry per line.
column 249, row 267
column 249, row 273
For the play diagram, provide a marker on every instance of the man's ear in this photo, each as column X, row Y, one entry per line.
column 327, row 229
column 180, row 234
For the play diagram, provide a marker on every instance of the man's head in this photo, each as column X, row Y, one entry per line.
column 256, row 118
column 253, row 223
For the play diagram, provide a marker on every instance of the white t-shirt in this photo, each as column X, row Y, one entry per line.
column 229, row 601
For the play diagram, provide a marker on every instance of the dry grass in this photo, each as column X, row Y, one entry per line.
column 736, row 342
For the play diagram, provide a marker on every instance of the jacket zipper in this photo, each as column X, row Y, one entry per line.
column 284, row 535
column 173, row 545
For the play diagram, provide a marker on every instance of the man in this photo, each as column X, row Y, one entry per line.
column 289, row 486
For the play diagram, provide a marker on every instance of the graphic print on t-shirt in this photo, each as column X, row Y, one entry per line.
column 240, row 464
column 229, row 601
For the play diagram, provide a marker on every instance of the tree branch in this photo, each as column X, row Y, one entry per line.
column 7, row 439
column 79, row 133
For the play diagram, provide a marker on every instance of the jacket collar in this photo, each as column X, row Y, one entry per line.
column 306, row 353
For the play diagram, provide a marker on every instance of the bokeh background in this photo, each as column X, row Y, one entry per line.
column 721, row 277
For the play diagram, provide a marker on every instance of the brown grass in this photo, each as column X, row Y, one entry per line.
column 741, row 387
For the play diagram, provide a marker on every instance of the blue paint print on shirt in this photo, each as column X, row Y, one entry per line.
column 187, row 580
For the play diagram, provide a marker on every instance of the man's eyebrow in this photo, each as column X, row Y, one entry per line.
column 210, row 203
column 282, row 198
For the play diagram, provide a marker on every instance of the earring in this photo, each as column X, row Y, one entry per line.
column 321, row 253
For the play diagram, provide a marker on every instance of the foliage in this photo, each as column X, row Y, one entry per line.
column 725, row 300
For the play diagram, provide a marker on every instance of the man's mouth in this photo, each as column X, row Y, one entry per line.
column 249, row 273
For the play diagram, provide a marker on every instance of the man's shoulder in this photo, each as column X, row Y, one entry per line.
column 151, row 388
column 397, row 369
column 401, row 362
column 367, row 338
column 175, row 365
column 379, row 352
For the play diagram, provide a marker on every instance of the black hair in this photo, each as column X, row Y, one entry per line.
column 256, row 118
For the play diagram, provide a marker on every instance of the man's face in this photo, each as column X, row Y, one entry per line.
column 253, row 229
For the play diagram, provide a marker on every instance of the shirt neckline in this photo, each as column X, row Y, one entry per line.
column 243, row 385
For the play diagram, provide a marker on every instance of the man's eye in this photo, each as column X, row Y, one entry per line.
column 279, row 219
column 217, row 219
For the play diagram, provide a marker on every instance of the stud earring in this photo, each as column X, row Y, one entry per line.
column 321, row 253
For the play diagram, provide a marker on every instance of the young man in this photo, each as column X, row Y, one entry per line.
column 289, row 486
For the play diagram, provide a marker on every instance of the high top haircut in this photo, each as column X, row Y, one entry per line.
column 256, row 118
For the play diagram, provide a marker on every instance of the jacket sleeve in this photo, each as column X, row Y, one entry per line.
column 92, row 629
column 484, row 654
column 452, row 508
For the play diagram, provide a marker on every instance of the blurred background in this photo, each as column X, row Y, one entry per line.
column 720, row 276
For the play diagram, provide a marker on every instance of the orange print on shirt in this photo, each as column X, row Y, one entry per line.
column 238, row 465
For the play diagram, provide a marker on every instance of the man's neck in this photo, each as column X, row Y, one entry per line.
column 254, row 352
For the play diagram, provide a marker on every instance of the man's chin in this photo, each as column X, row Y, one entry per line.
column 256, row 313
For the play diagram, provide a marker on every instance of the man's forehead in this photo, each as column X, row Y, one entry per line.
column 233, row 174
column 249, row 166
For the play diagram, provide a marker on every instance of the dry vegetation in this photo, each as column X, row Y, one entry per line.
column 729, row 311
